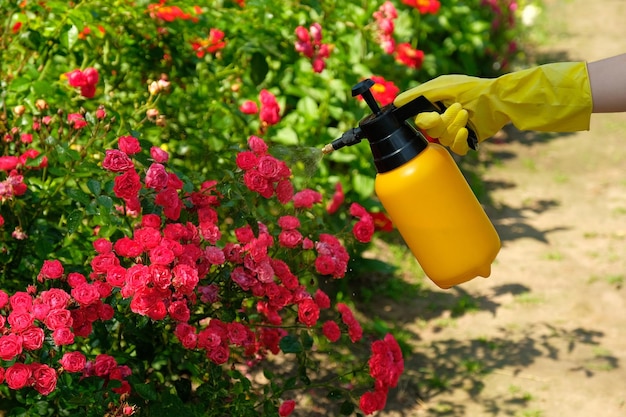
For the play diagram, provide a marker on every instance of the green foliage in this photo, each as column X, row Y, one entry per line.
column 168, row 79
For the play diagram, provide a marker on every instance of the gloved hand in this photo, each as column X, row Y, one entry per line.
column 550, row 98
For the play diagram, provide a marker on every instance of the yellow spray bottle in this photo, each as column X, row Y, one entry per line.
column 424, row 192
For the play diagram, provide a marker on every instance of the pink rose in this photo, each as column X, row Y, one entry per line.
column 159, row 155
column 156, row 177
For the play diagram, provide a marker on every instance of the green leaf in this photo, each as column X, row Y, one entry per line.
column 290, row 344
column 347, row 408
column 94, row 186
column 260, row 68
column 105, row 201
column 69, row 37
column 286, row 136
column 74, row 219
column 78, row 195
column 146, row 391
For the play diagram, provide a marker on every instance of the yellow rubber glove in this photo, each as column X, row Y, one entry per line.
column 449, row 127
column 550, row 98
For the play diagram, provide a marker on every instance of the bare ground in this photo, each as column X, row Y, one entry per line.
column 545, row 335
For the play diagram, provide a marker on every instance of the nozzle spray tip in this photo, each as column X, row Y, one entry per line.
column 327, row 149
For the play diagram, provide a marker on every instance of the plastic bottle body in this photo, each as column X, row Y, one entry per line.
column 439, row 217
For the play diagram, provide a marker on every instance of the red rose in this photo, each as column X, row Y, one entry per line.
column 91, row 75
column 308, row 312
column 151, row 220
column 258, row 183
column 32, row 338
column 306, row 198
column 63, row 336
column 186, row 334
column 129, row 145
column 331, row 330
column 55, row 298
column 179, row 311
column 20, row 320
column 147, row 237
column 373, row 401
column 269, row 167
column 104, row 364
column 17, row 375
column 214, row 255
column 249, row 107
column 4, row 299
column 58, row 318
column 102, row 245
column 284, row 191
column 185, row 278
column 8, row 163
column 127, row 185
column 288, row 222
column 246, row 160
column 238, row 333
column 86, row 294
column 10, row 346
column 286, row 408
column 219, row 354
column 322, row 300
column 75, row 278
column 257, row 145
column 21, row 301
column 117, row 161
column 76, row 78
column 50, row 270
column 103, row 262
column 44, row 378
column 88, row 91
column 324, row 265
column 363, row 230
column 73, row 361
column 127, row 248
column 290, row 239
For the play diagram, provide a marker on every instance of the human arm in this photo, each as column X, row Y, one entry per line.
column 608, row 84
column 553, row 97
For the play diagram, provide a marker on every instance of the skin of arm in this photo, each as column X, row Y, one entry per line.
column 608, row 84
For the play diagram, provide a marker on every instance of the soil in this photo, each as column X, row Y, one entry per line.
column 545, row 335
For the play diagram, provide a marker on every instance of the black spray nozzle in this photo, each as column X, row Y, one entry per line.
column 351, row 137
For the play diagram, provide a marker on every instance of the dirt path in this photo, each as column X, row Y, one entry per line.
column 545, row 336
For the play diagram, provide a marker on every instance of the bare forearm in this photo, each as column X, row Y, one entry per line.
column 608, row 84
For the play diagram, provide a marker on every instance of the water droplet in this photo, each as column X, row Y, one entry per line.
column 302, row 160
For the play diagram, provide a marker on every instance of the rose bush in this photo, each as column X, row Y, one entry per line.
column 158, row 249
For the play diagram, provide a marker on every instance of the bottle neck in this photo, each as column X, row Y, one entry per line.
column 393, row 142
